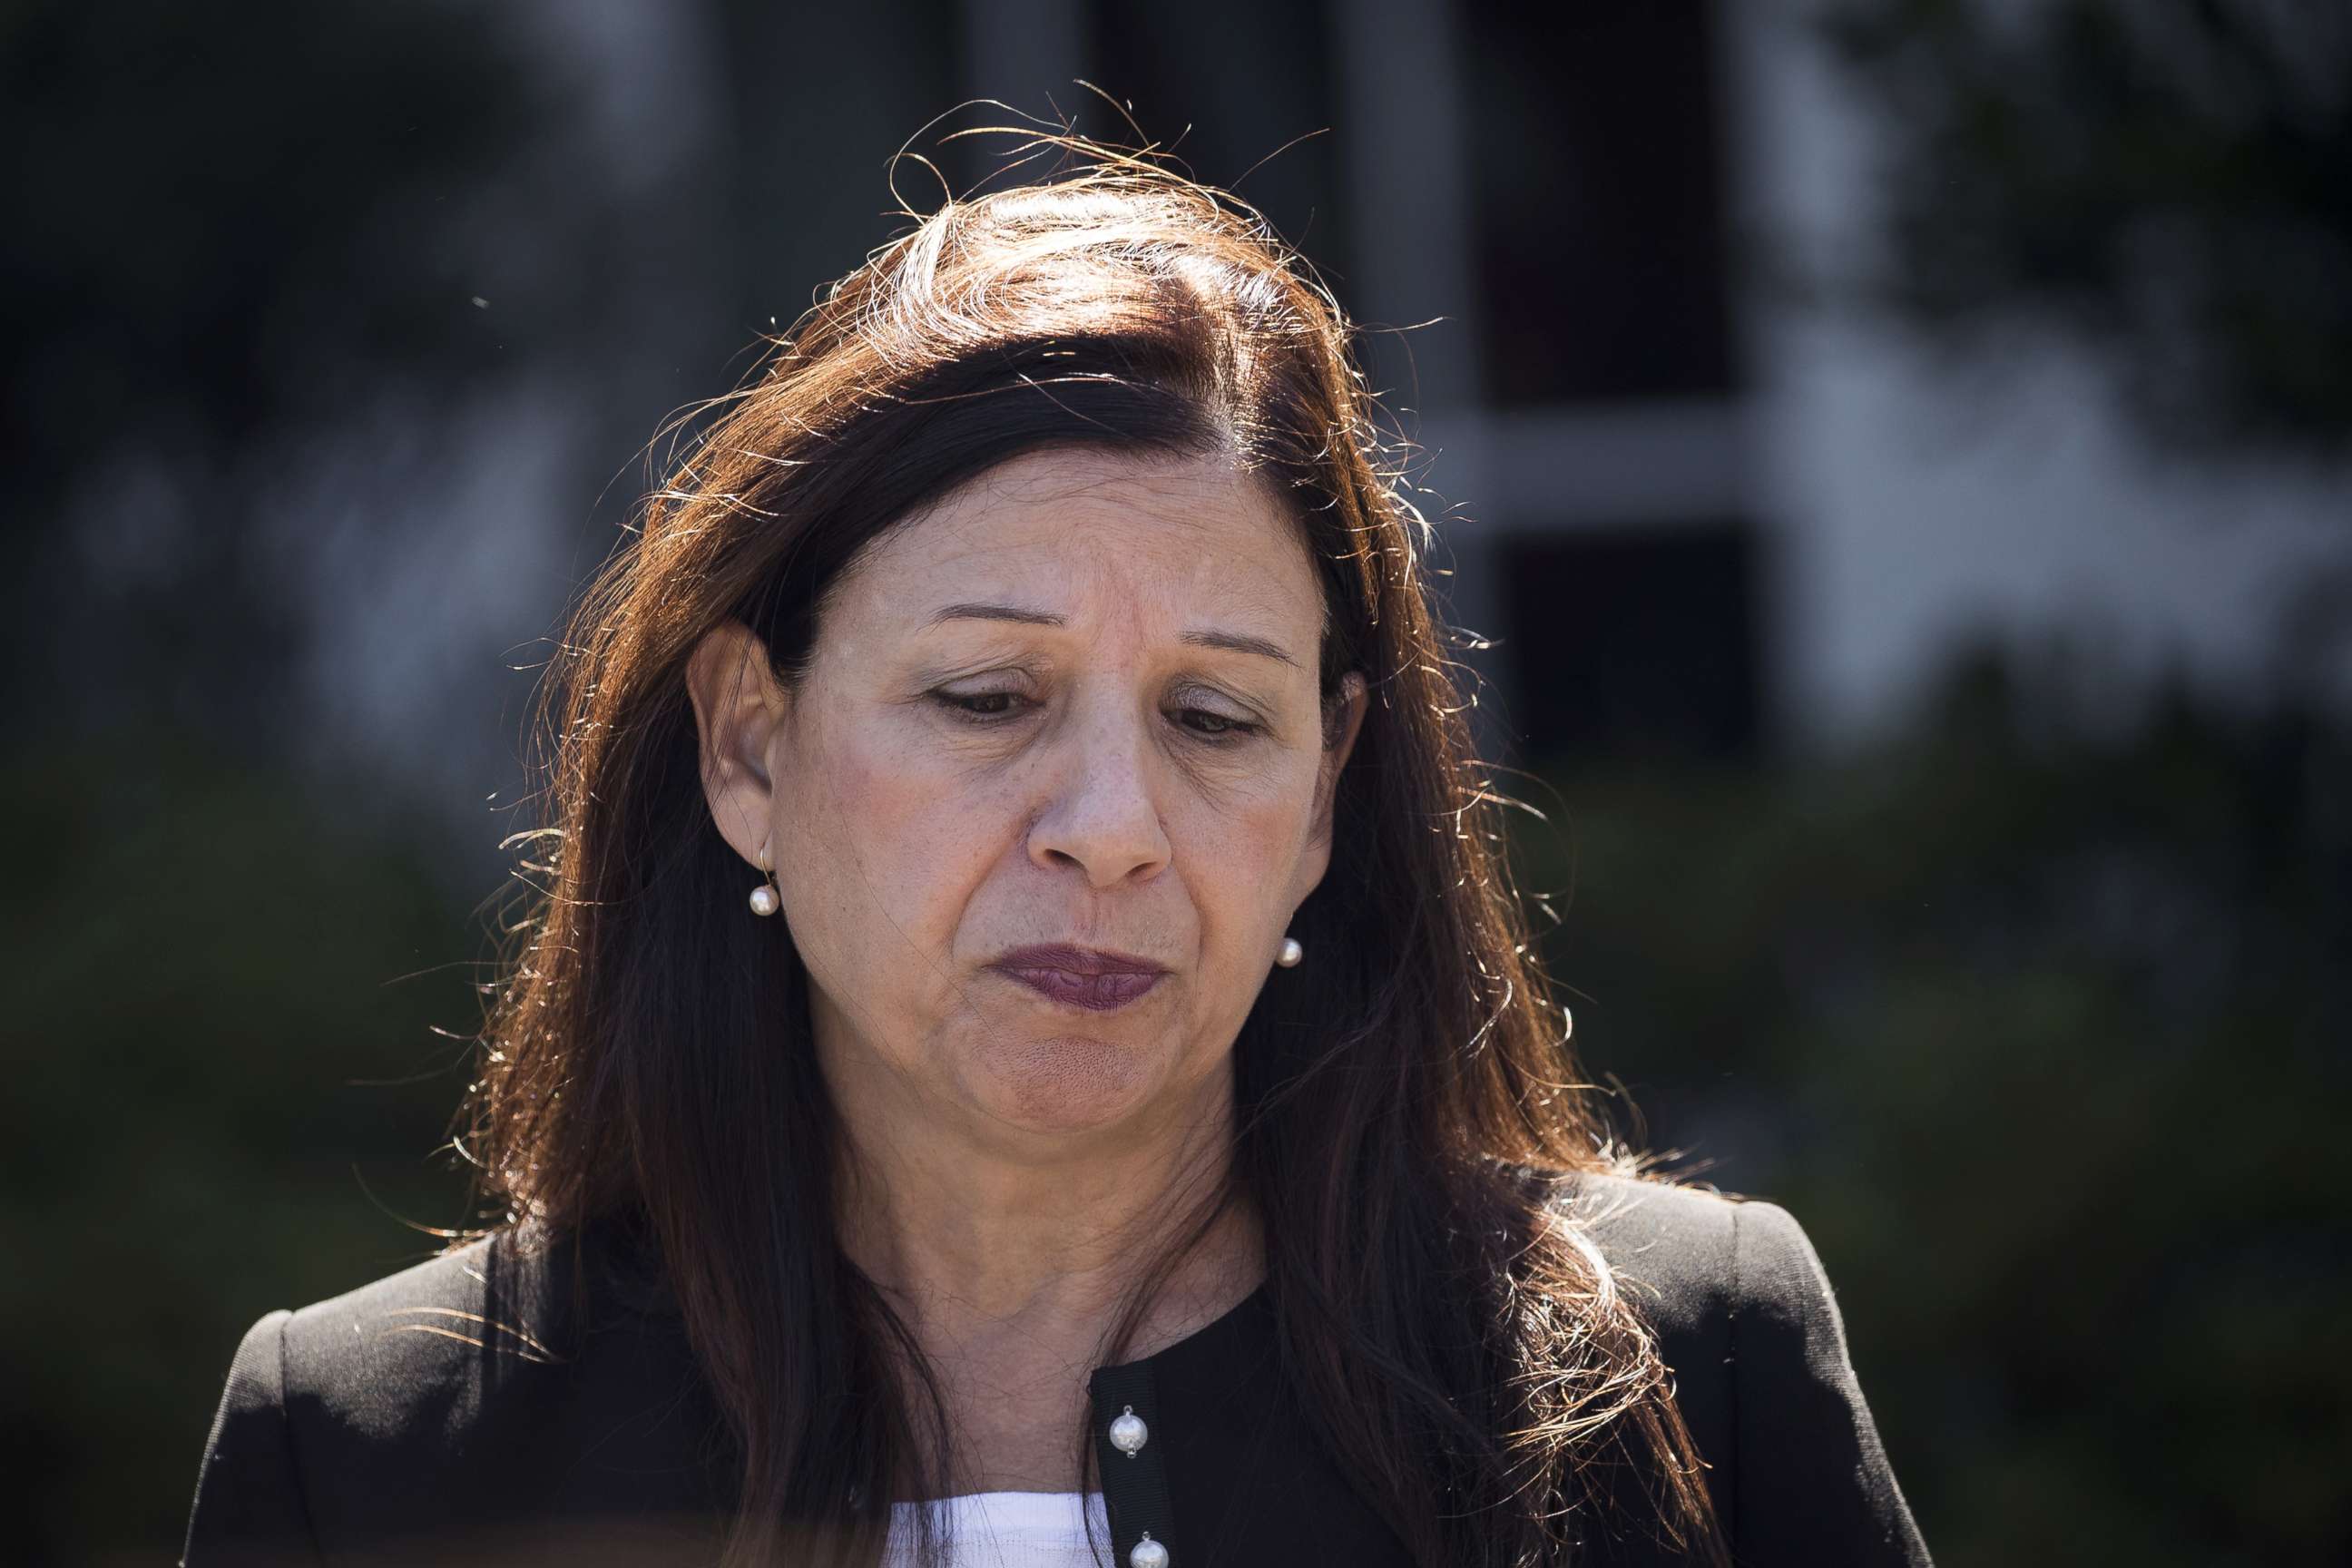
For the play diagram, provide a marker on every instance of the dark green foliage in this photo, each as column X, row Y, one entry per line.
column 230, row 228
column 2042, row 1036
column 2169, row 180
column 222, row 1088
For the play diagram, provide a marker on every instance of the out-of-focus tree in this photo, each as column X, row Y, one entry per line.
column 2169, row 181
column 2037, row 1024
column 232, row 230
column 229, row 227
column 223, row 1097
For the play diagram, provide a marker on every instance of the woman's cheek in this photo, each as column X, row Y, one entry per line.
column 1259, row 829
column 916, row 823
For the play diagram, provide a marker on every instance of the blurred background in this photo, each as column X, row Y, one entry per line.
column 1900, row 452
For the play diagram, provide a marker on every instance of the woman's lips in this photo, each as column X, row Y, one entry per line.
column 1092, row 978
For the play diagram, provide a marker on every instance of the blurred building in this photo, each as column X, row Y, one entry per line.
column 1699, row 517
column 1551, row 182
column 1703, row 513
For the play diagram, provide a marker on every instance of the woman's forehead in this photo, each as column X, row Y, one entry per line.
column 1063, row 527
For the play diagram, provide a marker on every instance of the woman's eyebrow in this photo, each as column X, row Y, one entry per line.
column 1238, row 642
column 994, row 612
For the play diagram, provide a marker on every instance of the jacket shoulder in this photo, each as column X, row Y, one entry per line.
column 1693, row 1251
column 311, row 1382
column 1750, row 1327
column 417, row 1348
column 470, row 1407
column 1679, row 1251
column 249, row 1507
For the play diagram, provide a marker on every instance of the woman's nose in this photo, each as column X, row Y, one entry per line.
column 1103, row 815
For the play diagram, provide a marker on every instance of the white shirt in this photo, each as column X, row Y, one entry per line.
column 1006, row 1530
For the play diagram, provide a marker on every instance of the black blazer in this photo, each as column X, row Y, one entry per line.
column 458, row 1413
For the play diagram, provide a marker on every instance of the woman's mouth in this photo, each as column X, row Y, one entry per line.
column 1091, row 978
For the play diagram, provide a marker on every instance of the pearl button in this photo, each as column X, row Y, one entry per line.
column 1129, row 1434
column 1148, row 1553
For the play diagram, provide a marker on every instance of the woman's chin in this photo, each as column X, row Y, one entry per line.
column 1062, row 1083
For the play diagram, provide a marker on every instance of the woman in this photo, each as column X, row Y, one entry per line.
column 1027, row 1051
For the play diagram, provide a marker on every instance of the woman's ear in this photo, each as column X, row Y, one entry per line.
column 740, row 706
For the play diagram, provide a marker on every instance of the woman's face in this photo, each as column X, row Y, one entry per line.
column 1073, row 703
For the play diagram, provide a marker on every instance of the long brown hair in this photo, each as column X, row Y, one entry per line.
column 1405, row 1102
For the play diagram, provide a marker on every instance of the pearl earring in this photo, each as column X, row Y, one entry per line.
column 1292, row 951
column 766, row 899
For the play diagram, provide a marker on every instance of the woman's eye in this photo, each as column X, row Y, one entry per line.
column 988, row 707
column 978, row 704
column 1221, row 727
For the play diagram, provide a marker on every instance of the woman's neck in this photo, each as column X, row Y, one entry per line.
column 958, row 1238
column 1012, row 1268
